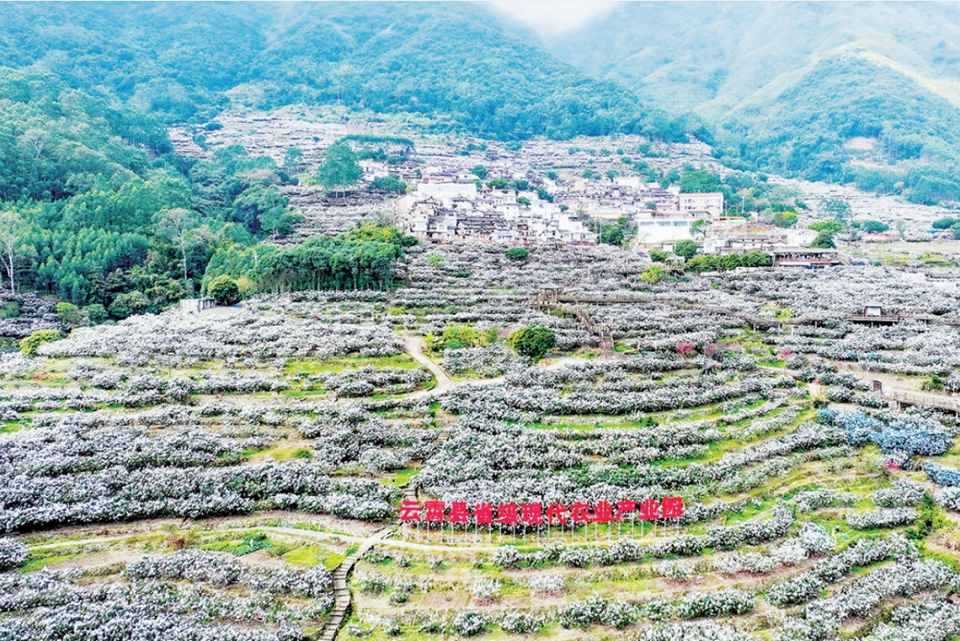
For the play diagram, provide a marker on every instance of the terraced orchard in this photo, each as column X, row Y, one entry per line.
column 726, row 470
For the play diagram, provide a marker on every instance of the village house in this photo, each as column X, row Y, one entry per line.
column 445, row 210
column 806, row 258
column 747, row 238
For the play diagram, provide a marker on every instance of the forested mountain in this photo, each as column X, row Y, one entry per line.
column 456, row 63
column 837, row 91
column 99, row 210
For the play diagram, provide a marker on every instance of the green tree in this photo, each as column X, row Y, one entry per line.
column 824, row 240
column 340, row 168
column 517, row 254
column 945, row 223
column 389, row 184
column 224, row 290
column 543, row 194
column 685, row 248
column 436, row 261
column 552, row 175
column 831, row 226
column 611, row 234
column 694, row 182
column 460, row 335
column 479, row 171
column 784, row 219
column 653, row 274
column 523, row 200
column 698, row 227
column 873, row 227
column 498, row 183
column 901, row 228
column 179, row 225
column 658, row 256
column 126, row 304
column 533, row 342
column 262, row 208
column 96, row 312
column 12, row 229
column 836, row 208
column 293, row 160
column 30, row 344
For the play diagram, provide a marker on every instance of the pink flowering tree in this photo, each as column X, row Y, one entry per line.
column 686, row 349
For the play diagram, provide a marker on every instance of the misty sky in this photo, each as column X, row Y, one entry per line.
column 552, row 17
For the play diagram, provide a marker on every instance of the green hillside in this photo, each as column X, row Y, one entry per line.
column 826, row 91
column 456, row 63
column 102, row 213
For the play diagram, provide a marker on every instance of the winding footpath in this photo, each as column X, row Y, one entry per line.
column 412, row 346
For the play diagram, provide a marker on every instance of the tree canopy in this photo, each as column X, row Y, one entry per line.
column 340, row 168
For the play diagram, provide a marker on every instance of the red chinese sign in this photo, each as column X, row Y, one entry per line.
column 534, row 513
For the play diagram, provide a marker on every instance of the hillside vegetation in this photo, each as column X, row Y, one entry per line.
column 101, row 213
column 826, row 91
column 456, row 64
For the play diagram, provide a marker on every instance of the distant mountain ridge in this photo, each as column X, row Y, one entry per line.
column 456, row 62
column 787, row 85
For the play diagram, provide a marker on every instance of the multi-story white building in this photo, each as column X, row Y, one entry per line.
column 711, row 203
column 446, row 190
column 654, row 226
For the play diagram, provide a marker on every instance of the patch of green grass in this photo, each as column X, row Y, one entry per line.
column 9, row 427
column 772, row 363
column 317, row 365
column 34, row 564
column 250, row 543
column 400, row 477
column 311, row 555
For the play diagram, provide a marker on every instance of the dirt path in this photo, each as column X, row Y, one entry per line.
column 411, row 345
column 444, row 384
column 907, row 383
